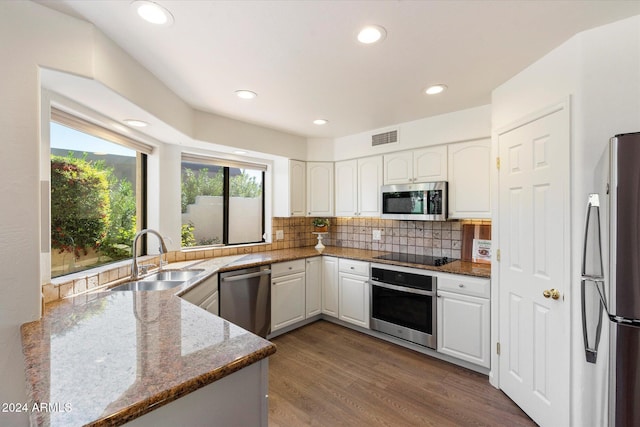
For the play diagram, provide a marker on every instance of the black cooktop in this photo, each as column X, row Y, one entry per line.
column 416, row 259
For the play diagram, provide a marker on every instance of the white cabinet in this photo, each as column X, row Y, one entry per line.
column 313, row 278
column 287, row 293
column 464, row 318
column 353, row 287
column 297, row 188
column 330, row 286
column 204, row 294
column 320, row 188
column 469, row 179
column 423, row 165
column 357, row 186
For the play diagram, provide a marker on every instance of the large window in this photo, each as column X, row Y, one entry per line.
column 96, row 196
column 222, row 202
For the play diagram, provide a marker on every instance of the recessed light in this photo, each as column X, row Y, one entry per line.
column 152, row 12
column 371, row 34
column 435, row 89
column 320, row 122
column 136, row 123
column 240, row 152
column 246, row 94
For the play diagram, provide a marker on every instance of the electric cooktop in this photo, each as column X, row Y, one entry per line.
column 416, row 259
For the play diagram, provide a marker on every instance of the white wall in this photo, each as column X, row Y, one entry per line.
column 600, row 70
column 462, row 125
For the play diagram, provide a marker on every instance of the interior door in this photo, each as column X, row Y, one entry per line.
column 534, row 271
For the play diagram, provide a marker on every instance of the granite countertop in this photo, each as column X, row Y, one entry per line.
column 106, row 358
column 111, row 357
column 267, row 257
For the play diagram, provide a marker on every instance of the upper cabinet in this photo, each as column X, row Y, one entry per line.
column 469, row 179
column 358, row 187
column 422, row 165
column 320, row 188
column 297, row 188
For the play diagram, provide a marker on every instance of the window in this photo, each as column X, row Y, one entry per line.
column 222, row 202
column 96, row 202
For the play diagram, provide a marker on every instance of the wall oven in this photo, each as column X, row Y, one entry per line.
column 403, row 303
column 426, row 201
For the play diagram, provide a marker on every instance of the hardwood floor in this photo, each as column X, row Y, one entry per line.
column 326, row 375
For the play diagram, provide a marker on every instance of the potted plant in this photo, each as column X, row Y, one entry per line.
column 320, row 225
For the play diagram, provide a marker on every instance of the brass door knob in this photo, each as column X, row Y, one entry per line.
column 551, row 293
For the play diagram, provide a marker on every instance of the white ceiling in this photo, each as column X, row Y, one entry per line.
column 302, row 59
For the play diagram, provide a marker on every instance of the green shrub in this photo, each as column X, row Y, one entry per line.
column 80, row 205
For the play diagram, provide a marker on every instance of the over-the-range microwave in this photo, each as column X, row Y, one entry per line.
column 426, row 201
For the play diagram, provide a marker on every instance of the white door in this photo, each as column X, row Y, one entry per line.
column 346, row 181
column 313, row 283
column 534, row 248
column 369, row 183
column 430, row 164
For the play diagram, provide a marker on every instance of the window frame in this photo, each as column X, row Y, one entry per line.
column 226, row 165
column 143, row 150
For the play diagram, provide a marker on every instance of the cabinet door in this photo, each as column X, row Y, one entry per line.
column 330, row 286
column 369, row 183
column 469, row 179
column 398, row 168
column 297, row 187
column 354, row 299
column 313, row 281
column 463, row 327
column 346, row 174
column 287, row 300
column 430, row 164
column 211, row 304
column 320, row 188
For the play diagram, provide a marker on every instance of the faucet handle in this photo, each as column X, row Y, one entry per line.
column 144, row 269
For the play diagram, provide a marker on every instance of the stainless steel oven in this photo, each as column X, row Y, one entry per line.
column 403, row 303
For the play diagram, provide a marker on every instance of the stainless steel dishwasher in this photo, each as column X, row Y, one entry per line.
column 245, row 298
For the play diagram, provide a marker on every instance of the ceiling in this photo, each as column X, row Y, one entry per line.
column 303, row 60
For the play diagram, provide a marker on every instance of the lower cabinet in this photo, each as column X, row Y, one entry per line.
column 353, row 288
column 330, row 286
column 313, row 278
column 287, row 293
column 205, row 294
column 464, row 318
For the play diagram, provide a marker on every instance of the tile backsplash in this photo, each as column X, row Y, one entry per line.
column 413, row 237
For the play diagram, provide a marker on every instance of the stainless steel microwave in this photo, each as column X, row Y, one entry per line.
column 425, row 201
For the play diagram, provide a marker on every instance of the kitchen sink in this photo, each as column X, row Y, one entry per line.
column 171, row 275
column 148, row 285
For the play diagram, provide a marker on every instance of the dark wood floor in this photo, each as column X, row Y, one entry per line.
column 327, row 375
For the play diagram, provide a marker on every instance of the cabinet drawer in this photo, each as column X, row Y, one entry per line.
column 289, row 267
column 354, row 267
column 474, row 286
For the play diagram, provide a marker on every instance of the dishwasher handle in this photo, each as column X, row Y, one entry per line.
column 246, row 276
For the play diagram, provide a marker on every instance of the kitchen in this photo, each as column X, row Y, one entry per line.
column 45, row 37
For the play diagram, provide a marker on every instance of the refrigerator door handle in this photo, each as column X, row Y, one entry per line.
column 591, row 350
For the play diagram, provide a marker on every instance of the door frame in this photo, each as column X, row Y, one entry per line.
column 563, row 105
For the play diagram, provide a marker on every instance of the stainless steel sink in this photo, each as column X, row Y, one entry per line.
column 171, row 275
column 148, row 285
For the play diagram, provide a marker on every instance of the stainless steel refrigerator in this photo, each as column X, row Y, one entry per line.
column 611, row 276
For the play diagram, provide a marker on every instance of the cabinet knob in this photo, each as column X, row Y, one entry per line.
column 353, row 268
column 461, row 285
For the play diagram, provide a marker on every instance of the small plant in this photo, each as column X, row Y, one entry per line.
column 320, row 223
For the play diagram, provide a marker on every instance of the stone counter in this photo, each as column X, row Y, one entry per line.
column 119, row 355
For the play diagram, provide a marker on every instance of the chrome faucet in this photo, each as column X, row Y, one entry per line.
column 163, row 250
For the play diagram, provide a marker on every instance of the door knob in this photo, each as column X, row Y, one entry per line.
column 551, row 293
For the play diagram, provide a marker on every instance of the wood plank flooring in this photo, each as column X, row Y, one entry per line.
column 326, row 375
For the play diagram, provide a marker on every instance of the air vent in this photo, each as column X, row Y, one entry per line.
column 384, row 138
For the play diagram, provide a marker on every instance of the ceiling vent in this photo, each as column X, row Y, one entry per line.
column 384, row 138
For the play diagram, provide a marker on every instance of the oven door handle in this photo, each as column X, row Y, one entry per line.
column 402, row 288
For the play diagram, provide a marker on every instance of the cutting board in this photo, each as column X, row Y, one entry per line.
column 470, row 232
